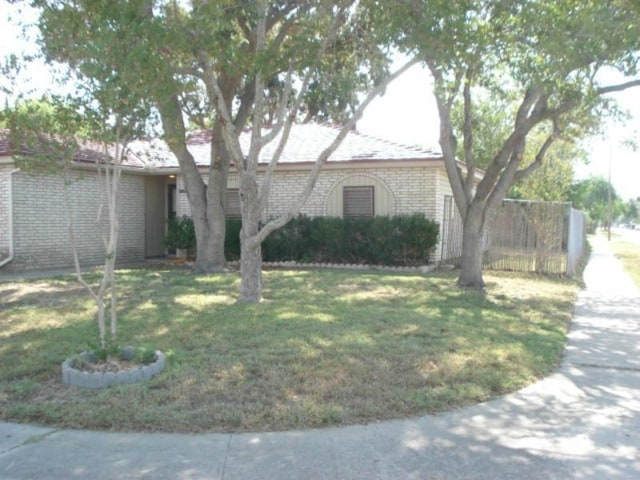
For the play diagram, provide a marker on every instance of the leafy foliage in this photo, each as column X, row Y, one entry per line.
column 592, row 196
column 398, row 240
column 631, row 212
column 45, row 133
column 551, row 181
column 539, row 59
column 180, row 233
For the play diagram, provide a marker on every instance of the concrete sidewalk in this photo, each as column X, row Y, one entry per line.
column 581, row 422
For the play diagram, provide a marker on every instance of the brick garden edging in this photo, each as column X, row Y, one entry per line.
column 84, row 379
column 351, row 266
column 235, row 265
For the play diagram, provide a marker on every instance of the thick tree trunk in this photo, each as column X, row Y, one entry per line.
column 208, row 253
column 250, row 245
column 473, row 231
column 207, row 203
column 250, row 270
column 213, row 228
column 209, row 224
column 209, row 256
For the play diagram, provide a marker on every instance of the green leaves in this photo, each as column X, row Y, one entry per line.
column 44, row 133
column 592, row 196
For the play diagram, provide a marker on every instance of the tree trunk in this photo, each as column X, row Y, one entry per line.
column 250, row 269
column 101, row 322
column 207, row 203
column 207, row 212
column 250, row 245
column 214, row 225
column 473, row 231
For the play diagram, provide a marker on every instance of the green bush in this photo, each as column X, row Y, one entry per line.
column 232, row 239
column 399, row 240
column 180, row 233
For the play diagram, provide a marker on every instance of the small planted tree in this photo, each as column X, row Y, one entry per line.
column 49, row 136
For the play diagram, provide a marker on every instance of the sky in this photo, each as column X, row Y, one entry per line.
column 406, row 113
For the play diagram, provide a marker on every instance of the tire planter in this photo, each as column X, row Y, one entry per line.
column 84, row 379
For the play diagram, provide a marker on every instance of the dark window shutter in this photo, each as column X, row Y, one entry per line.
column 358, row 201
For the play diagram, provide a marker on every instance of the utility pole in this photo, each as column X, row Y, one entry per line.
column 609, row 200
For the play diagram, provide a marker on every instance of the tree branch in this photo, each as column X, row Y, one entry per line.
column 524, row 173
column 468, row 129
column 326, row 153
column 618, row 88
column 448, row 142
column 284, row 123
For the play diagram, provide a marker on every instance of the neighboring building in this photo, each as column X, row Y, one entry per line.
column 365, row 176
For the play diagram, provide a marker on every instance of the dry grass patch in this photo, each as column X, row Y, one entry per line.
column 629, row 254
column 325, row 348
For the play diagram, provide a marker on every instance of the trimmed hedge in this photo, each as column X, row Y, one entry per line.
column 400, row 240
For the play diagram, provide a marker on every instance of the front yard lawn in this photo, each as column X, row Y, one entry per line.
column 324, row 348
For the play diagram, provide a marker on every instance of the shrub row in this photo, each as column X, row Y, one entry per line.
column 399, row 240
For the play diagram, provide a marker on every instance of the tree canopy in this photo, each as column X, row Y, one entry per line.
column 184, row 56
column 543, row 55
column 510, row 79
column 592, row 196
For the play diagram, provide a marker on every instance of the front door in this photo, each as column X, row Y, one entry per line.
column 155, row 215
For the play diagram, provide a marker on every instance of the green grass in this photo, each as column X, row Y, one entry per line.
column 629, row 254
column 324, row 348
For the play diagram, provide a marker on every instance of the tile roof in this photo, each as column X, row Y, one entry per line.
column 305, row 144
column 88, row 152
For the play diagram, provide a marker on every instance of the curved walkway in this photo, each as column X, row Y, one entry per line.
column 581, row 422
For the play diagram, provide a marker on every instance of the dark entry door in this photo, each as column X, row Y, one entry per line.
column 155, row 215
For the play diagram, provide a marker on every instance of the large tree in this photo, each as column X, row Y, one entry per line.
column 332, row 19
column 189, row 56
column 547, row 52
column 226, row 64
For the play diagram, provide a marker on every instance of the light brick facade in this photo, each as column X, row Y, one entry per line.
column 41, row 237
column 414, row 187
column 400, row 179
column 5, row 182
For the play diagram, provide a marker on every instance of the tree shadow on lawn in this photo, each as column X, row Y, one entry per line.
column 375, row 347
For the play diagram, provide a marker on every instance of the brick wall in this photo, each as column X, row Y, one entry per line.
column 5, row 179
column 41, row 238
column 415, row 189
